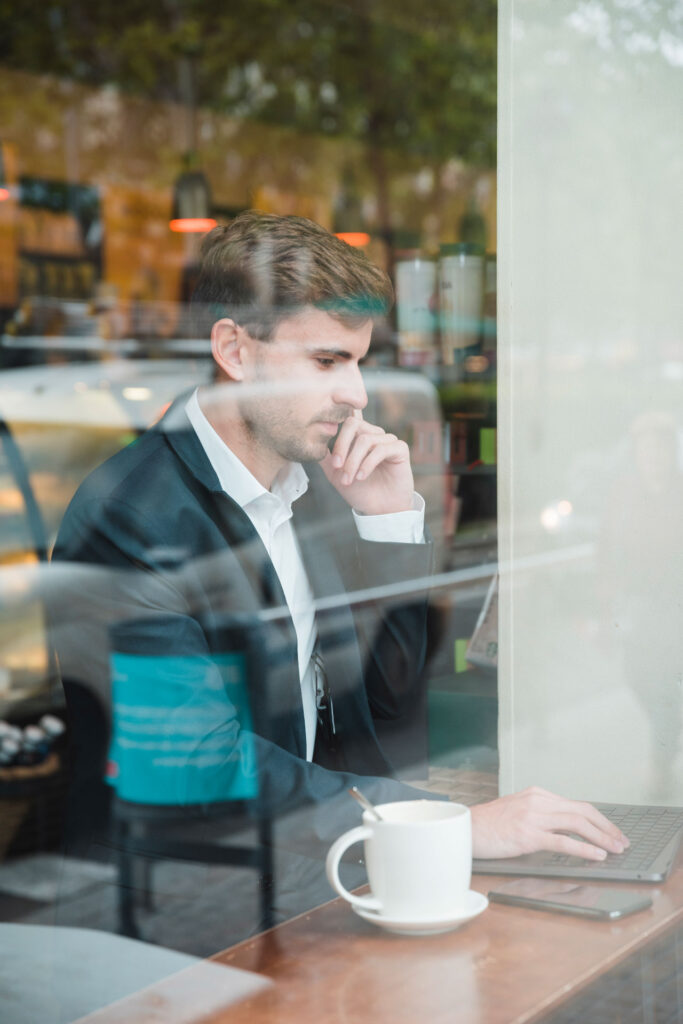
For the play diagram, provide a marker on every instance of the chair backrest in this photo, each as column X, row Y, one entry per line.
column 182, row 726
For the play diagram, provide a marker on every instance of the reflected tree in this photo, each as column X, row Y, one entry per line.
column 380, row 72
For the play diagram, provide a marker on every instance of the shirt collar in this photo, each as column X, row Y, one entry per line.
column 234, row 477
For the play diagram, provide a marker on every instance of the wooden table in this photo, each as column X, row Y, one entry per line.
column 508, row 966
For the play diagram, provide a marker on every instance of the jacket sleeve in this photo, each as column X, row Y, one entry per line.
column 392, row 623
column 386, row 587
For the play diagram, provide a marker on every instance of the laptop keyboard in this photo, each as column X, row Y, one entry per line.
column 648, row 828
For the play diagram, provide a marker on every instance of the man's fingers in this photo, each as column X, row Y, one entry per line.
column 391, row 450
column 558, row 843
column 362, row 445
column 603, row 823
column 351, row 428
column 579, row 824
column 593, row 815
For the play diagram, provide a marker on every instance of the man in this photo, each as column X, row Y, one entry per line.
column 269, row 496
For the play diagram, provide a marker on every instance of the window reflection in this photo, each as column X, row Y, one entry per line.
column 177, row 666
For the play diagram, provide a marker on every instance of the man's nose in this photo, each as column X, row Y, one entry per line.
column 350, row 389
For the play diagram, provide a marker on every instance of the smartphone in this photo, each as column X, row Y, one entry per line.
column 567, row 897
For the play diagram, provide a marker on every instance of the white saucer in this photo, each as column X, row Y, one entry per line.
column 475, row 903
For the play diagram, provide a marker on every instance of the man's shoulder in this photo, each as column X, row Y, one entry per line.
column 127, row 474
column 141, row 487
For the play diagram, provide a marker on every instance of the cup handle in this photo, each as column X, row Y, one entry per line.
column 337, row 850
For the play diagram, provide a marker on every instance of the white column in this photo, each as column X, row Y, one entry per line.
column 590, row 300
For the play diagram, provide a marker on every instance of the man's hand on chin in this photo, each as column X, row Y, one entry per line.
column 370, row 468
column 538, row 820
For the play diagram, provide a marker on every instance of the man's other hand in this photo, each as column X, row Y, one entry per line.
column 538, row 820
column 370, row 468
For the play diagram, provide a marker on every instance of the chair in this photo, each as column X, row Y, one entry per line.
column 156, row 833
column 144, row 828
column 163, row 803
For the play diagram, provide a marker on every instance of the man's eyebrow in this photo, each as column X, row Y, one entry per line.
column 338, row 353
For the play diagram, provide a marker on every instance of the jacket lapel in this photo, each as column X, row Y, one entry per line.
column 235, row 525
column 279, row 694
column 327, row 541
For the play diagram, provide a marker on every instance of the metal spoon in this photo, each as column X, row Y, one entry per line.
column 364, row 802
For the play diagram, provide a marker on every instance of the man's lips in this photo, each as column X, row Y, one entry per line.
column 328, row 426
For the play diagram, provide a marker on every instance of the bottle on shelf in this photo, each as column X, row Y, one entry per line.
column 415, row 276
column 461, row 293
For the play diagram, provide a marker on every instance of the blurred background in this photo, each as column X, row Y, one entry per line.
column 125, row 134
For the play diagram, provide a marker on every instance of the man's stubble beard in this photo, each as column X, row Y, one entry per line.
column 273, row 431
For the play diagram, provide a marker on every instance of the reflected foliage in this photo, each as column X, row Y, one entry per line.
column 385, row 73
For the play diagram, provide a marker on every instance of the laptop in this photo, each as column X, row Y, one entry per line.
column 655, row 834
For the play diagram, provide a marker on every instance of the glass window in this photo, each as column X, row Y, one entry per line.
column 253, row 478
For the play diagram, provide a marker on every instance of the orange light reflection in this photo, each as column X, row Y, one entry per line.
column 196, row 225
column 355, row 238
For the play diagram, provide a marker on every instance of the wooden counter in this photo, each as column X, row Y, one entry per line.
column 507, row 966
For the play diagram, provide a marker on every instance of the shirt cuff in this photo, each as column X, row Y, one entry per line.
column 394, row 527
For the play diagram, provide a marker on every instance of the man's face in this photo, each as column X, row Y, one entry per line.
column 304, row 382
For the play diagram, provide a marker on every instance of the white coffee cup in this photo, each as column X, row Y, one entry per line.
column 418, row 859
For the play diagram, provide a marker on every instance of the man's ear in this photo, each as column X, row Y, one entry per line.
column 227, row 341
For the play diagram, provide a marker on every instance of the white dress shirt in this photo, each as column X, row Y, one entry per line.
column 270, row 513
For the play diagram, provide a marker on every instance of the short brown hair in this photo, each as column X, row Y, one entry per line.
column 262, row 268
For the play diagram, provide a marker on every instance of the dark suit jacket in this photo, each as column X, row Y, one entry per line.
column 163, row 558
